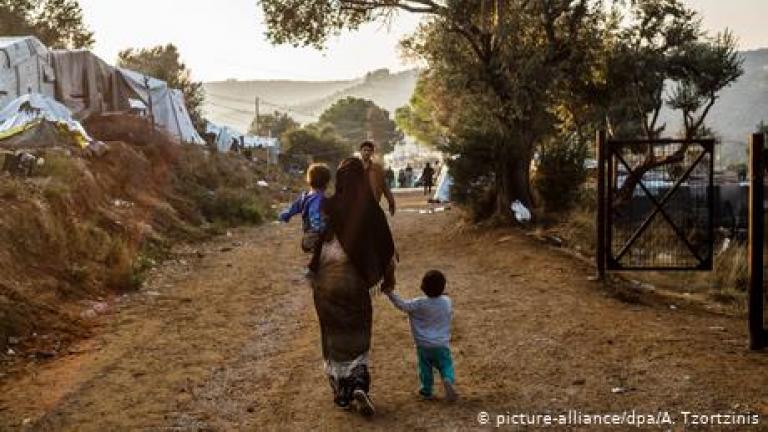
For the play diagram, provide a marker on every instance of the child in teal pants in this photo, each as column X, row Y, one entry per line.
column 430, row 319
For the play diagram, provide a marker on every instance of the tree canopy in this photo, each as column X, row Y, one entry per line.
column 57, row 23
column 275, row 124
column 356, row 120
column 164, row 63
column 508, row 78
column 314, row 144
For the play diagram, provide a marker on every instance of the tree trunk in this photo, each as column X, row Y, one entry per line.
column 514, row 183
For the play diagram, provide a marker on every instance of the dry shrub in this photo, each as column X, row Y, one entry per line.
column 731, row 272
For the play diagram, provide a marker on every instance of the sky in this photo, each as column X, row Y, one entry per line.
column 225, row 39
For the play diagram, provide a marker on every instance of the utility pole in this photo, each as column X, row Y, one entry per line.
column 257, row 115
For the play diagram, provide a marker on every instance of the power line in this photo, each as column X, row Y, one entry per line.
column 283, row 107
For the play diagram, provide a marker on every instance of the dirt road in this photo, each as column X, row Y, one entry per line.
column 227, row 339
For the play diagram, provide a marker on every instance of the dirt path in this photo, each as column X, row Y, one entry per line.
column 229, row 341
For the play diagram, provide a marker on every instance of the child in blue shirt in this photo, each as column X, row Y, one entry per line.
column 430, row 319
column 309, row 204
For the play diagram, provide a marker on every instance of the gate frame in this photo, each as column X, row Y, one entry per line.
column 758, row 336
column 605, row 149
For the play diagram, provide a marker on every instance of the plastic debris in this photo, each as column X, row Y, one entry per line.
column 522, row 214
column 262, row 183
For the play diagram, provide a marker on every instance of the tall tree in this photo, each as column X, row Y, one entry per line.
column 164, row 63
column 358, row 119
column 57, row 23
column 662, row 56
column 507, row 54
column 274, row 125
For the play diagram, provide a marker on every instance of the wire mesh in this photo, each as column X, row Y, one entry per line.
column 659, row 205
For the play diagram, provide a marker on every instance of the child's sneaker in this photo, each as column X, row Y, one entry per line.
column 425, row 396
column 450, row 392
column 364, row 403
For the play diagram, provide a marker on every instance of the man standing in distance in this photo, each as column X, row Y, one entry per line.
column 375, row 174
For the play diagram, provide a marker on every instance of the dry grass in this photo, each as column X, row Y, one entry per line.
column 87, row 228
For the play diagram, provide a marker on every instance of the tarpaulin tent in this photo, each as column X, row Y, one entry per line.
column 271, row 146
column 24, row 68
column 166, row 104
column 86, row 84
column 35, row 120
column 444, row 182
column 225, row 136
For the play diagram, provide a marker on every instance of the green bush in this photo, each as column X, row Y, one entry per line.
column 560, row 174
column 232, row 206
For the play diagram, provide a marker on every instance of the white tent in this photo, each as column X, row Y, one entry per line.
column 271, row 145
column 25, row 112
column 167, row 104
column 24, row 68
column 444, row 182
column 225, row 136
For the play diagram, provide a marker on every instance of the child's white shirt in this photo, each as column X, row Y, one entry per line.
column 430, row 319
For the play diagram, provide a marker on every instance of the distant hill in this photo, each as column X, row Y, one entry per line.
column 389, row 91
column 232, row 102
column 734, row 117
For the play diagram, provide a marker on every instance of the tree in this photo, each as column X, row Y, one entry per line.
column 274, row 125
column 314, row 144
column 57, row 23
column 509, row 55
column 418, row 118
column 662, row 46
column 356, row 120
column 164, row 63
column 505, row 76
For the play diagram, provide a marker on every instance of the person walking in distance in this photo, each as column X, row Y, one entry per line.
column 427, row 176
column 375, row 175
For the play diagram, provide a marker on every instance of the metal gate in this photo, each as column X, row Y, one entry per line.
column 657, row 204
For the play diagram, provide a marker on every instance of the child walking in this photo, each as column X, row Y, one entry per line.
column 308, row 204
column 430, row 319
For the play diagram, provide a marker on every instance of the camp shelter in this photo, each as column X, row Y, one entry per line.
column 35, row 120
column 225, row 136
column 166, row 104
column 266, row 148
column 86, row 84
column 444, row 182
column 24, row 68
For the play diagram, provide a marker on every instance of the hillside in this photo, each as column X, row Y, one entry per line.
column 740, row 107
column 232, row 102
column 389, row 91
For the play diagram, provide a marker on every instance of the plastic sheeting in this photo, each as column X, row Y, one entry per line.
column 24, row 68
column 444, row 182
column 86, row 84
column 225, row 136
column 167, row 104
column 27, row 111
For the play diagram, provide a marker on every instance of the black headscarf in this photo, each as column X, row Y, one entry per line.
column 359, row 223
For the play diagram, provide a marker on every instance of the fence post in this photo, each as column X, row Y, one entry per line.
column 600, row 246
column 755, row 246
